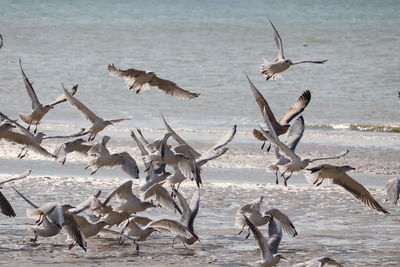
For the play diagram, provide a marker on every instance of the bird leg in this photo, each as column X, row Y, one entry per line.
column 93, row 172
column 71, row 245
column 241, row 231
column 287, row 178
column 34, row 131
column 173, row 241
column 137, row 245
column 29, row 127
column 276, row 175
column 20, row 153
column 35, row 238
column 269, row 147
column 248, row 233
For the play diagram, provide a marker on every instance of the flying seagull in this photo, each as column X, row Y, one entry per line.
column 98, row 124
column 38, row 109
column 137, row 80
column 272, row 70
column 5, row 206
column 267, row 259
column 338, row 176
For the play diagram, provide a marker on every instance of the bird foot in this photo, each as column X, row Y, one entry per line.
column 71, row 246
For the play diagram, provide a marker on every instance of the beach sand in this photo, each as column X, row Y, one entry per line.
column 329, row 221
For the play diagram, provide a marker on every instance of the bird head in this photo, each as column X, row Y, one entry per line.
column 346, row 168
column 279, row 256
column 288, row 61
column 48, row 107
column 68, row 207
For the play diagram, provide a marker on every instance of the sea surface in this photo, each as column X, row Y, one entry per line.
column 207, row 47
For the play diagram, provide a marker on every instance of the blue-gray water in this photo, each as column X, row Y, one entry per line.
column 205, row 47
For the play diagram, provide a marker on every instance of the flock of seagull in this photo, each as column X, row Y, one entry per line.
column 169, row 163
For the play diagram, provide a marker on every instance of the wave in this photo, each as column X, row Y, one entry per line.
column 362, row 127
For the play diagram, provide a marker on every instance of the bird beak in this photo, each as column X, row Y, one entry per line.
column 283, row 258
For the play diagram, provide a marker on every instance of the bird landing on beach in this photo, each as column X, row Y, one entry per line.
column 136, row 80
column 272, row 70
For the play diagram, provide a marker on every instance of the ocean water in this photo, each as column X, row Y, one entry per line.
column 206, row 47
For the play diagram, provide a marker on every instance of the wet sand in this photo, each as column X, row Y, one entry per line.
column 329, row 221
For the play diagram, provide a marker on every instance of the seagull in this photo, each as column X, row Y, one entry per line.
column 392, row 190
column 104, row 158
column 87, row 228
column 282, row 126
column 76, row 145
column 254, row 210
column 272, row 70
column 5, row 206
column 319, row 262
column 189, row 214
column 39, row 139
column 268, row 259
column 152, row 169
column 275, row 235
column 98, row 123
column 38, row 109
column 130, row 202
column 24, row 137
column 137, row 80
column 162, row 196
column 296, row 131
column 296, row 163
column 337, row 175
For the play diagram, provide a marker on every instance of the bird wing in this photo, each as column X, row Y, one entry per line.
column 71, row 226
column 55, row 214
column 261, row 240
column 86, row 204
column 392, row 190
column 119, row 120
column 310, row 61
column 123, row 193
column 296, row 108
column 258, row 135
column 140, row 220
column 29, row 88
column 162, row 196
column 25, row 198
column 210, row 155
column 178, row 139
column 359, row 192
column 62, row 98
column 80, row 106
column 129, row 165
column 252, row 207
column 31, row 143
column 296, row 131
column 168, row 225
column 273, row 138
column 129, row 75
column 344, row 153
column 142, row 137
column 184, row 205
column 170, row 88
column 226, row 139
column 284, row 220
column 6, row 207
column 278, row 42
column 275, row 235
column 77, row 134
column 263, row 104
column 19, row 177
column 194, row 207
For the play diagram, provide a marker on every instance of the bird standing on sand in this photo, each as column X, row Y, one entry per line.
column 272, row 70
column 338, row 176
column 137, row 80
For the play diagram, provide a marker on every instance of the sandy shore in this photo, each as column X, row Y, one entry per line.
column 329, row 221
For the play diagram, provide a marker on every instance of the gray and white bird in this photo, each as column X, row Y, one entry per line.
column 76, row 145
column 267, row 258
column 189, row 213
column 283, row 125
column 5, row 206
column 98, row 124
column 296, row 131
column 319, row 262
column 392, row 190
column 136, row 80
column 162, row 197
column 338, row 175
column 272, row 70
column 103, row 158
column 296, row 162
column 38, row 109
column 22, row 136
